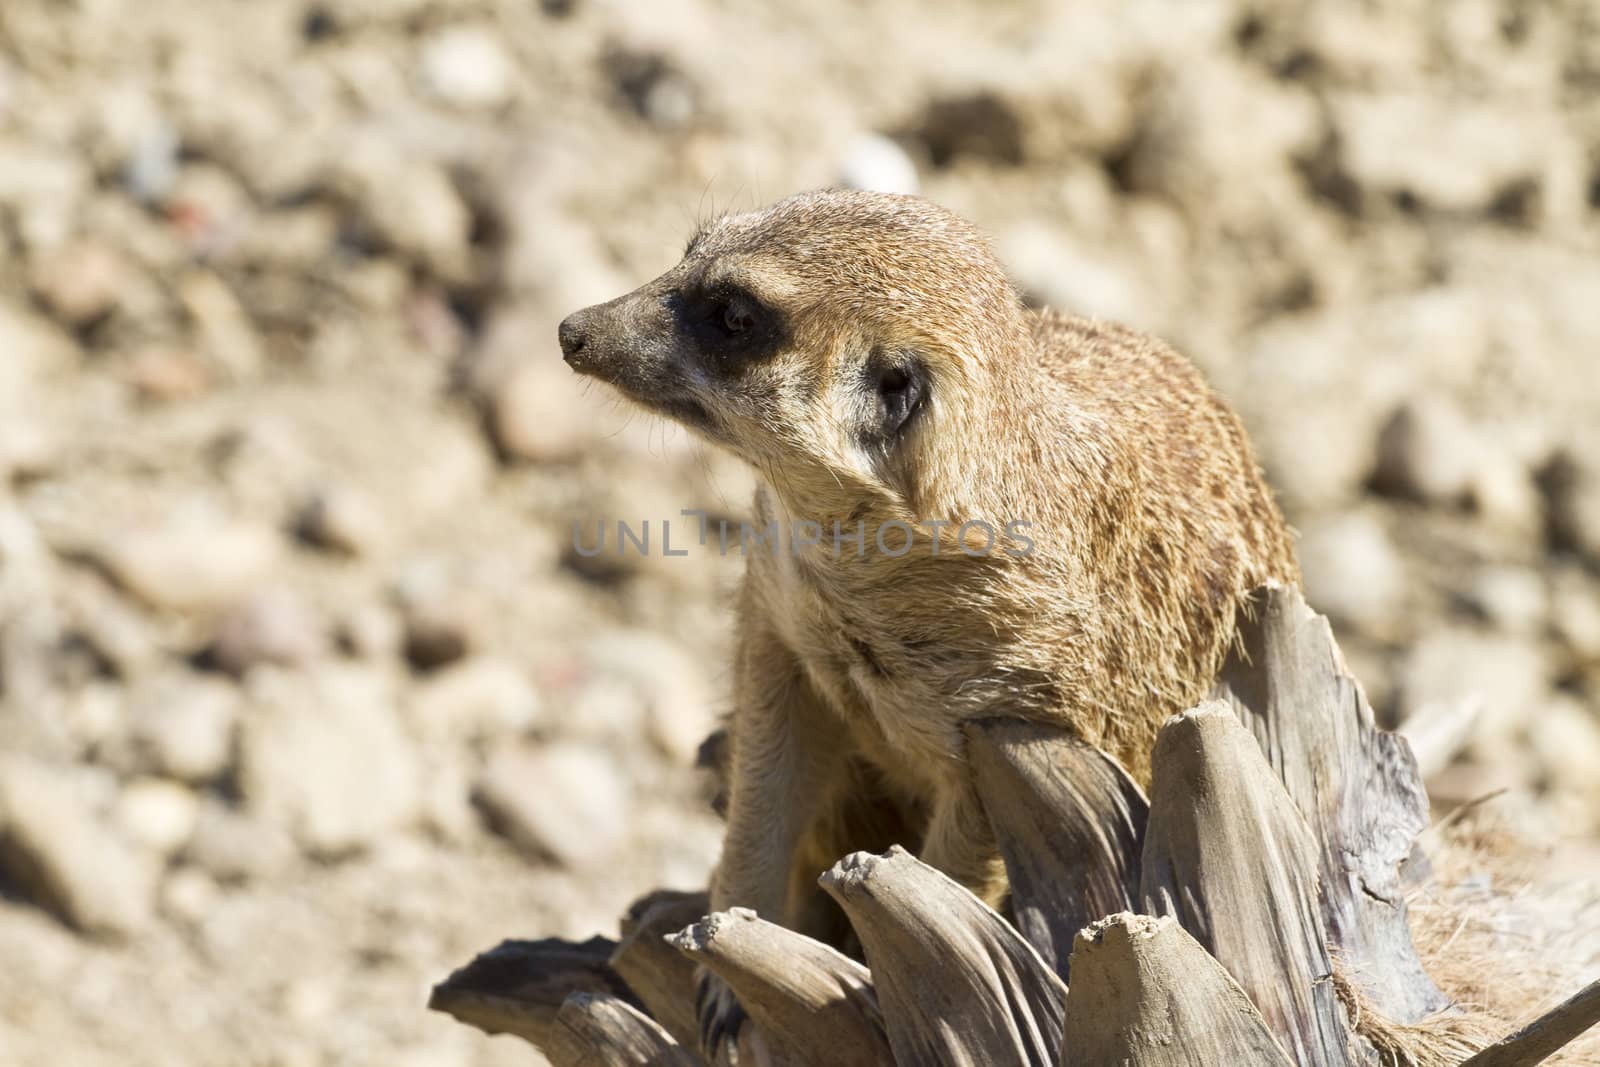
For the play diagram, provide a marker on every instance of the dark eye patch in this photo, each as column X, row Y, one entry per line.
column 728, row 322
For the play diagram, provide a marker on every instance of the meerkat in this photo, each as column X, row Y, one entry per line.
column 1004, row 512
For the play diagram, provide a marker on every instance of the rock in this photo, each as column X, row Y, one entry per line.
column 372, row 632
column 678, row 706
column 466, row 66
column 1509, row 675
column 1353, row 572
column 189, row 895
column 1427, row 452
column 1575, row 614
column 1511, row 598
column 322, row 754
column 193, row 559
column 411, row 206
column 343, row 520
column 158, row 813
column 1505, row 498
column 164, row 375
column 539, row 413
column 1565, row 736
column 567, row 802
column 1460, row 156
column 479, row 699
column 982, row 124
column 34, row 349
column 1055, row 273
column 222, row 326
column 79, row 283
column 183, row 726
column 1571, row 484
column 233, row 846
column 447, row 811
column 606, row 709
column 27, row 446
column 440, row 630
column 653, row 86
column 57, row 850
column 1217, row 137
column 91, row 715
column 273, row 626
column 874, row 162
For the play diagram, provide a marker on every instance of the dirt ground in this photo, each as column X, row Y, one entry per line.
column 305, row 696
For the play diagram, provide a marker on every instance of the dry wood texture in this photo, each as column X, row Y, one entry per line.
column 1229, row 857
column 1070, row 824
column 1546, row 1035
column 1275, row 839
column 518, row 987
column 656, row 972
column 1148, row 994
column 606, row 1031
column 811, row 1003
column 958, row 984
column 1357, row 787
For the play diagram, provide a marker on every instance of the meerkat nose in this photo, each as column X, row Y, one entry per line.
column 572, row 335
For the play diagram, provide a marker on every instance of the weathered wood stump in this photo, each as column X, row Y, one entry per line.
column 1268, row 861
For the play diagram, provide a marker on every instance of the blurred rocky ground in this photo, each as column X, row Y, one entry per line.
column 304, row 694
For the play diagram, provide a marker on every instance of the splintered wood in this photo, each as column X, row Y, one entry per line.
column 1249, row 912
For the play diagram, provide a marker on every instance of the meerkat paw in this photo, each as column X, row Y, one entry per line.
column 721, row 1017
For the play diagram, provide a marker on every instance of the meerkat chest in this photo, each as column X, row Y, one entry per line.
column 879, row 652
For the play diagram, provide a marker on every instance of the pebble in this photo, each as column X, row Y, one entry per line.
column 34, row 349
column 224, row 329
column 193, row 559
column 322, row 754
column 1352, row 571
column 158, row 813
column 189, row 895
column 476, row 699
column 371, row 631
column 439, row 631
column 467, row 67
column 79, row 283
column 1566, row 743
column 568, row 802
column 165, row 375
column 184, row 725
column 64, row 857
column 412, row 207
column 1512, row 598
column 1571, row 482
column 272, row 626
column 1509, row 675
column 1575, row 614
column 1427, row 451
column 539, row 413
column 678, row 705
column 874, row 162
column 342, row 520
column 234, row 846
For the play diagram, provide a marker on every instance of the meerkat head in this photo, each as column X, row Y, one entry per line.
column 824, row 339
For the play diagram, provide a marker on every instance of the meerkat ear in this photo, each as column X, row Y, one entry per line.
column 902, row 386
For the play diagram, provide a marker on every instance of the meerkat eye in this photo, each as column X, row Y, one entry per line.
column 736, row 316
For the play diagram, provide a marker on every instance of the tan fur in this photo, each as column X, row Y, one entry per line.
column 1148, row 515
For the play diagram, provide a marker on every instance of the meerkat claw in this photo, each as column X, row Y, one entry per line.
column 721, row 1017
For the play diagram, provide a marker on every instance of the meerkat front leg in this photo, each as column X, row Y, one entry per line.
column 961, row 843
column 787, row 753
